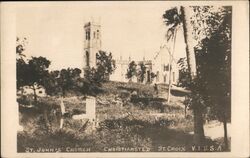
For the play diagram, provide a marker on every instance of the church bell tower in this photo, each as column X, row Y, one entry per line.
column 92, row 44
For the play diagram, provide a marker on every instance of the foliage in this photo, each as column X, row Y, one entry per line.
column 211, row 88
column 30, row 72
column 212, row 30
column 38, row 69
column 69, row 82
column 214, row 67
column 20, row 47
column 105, row 65
column 92, row 82
column 141, row 72
column 172, row 19
column 68, row 79
column 21, row 70
column 21, row 65
column 118, row 129
column 184, row 75
column 65, row 81
column 206, row 20
column 33, row 73
column 131, row 71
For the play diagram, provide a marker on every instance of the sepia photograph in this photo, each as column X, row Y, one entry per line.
column 123, row 77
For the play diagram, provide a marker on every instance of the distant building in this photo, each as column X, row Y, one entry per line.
column 120, row 72
column 161, row 67
column 92, row 44
column 157, row 69
column 122, row 67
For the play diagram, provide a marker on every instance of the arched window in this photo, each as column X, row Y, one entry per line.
column 87, row 35
column 97, row 35
column 94, row 35
column 173, row 77
column 87, row 58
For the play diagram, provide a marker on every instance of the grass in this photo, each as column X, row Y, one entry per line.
column 145, row 121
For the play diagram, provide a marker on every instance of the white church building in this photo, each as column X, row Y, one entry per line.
column 159, row 65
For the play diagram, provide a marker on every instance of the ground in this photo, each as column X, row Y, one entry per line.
column 131, row 117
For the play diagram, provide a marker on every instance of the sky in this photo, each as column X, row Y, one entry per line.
column 55, row 30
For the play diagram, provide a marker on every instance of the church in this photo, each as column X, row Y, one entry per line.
column 157, row 69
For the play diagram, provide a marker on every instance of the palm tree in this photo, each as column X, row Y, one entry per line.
column 197, row 110
column 173, row 19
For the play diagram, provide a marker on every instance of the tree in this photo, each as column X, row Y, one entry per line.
column 51, row 86
column 37, row 71
column 59, row 82
column 184, row 76
column 211, row 84
column 21, row 71
column 214, row 64
column 21, row 65
column 92, row 82
column 174, row 19
column 20, row 47
column 105, row 65
column 141, row 72
column 131, row 71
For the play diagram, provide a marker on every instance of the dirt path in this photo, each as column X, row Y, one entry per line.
column 215, row 129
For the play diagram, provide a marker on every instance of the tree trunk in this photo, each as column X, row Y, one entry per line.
column 187, row 30
column 62, row 113
column 225, row 132
column 170, row 81
column 171, row 56
column 199, row 136
column 35, row 96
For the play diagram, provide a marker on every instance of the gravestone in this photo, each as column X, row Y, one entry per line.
column 90, row 115
column 91, row 108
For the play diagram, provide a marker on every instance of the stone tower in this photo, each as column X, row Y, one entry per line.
column 92, row 44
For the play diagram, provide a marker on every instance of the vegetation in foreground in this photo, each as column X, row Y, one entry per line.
column 147, row 122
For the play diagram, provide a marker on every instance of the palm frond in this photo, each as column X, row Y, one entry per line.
column 170, row 33
column 171, row 17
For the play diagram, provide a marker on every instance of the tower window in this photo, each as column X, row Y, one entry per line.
column 87, row 58
column 173, row 77
column 97, row 36
column 94, row 35
column 88, row 35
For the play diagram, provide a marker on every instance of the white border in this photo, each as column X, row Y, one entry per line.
column 240, row 85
